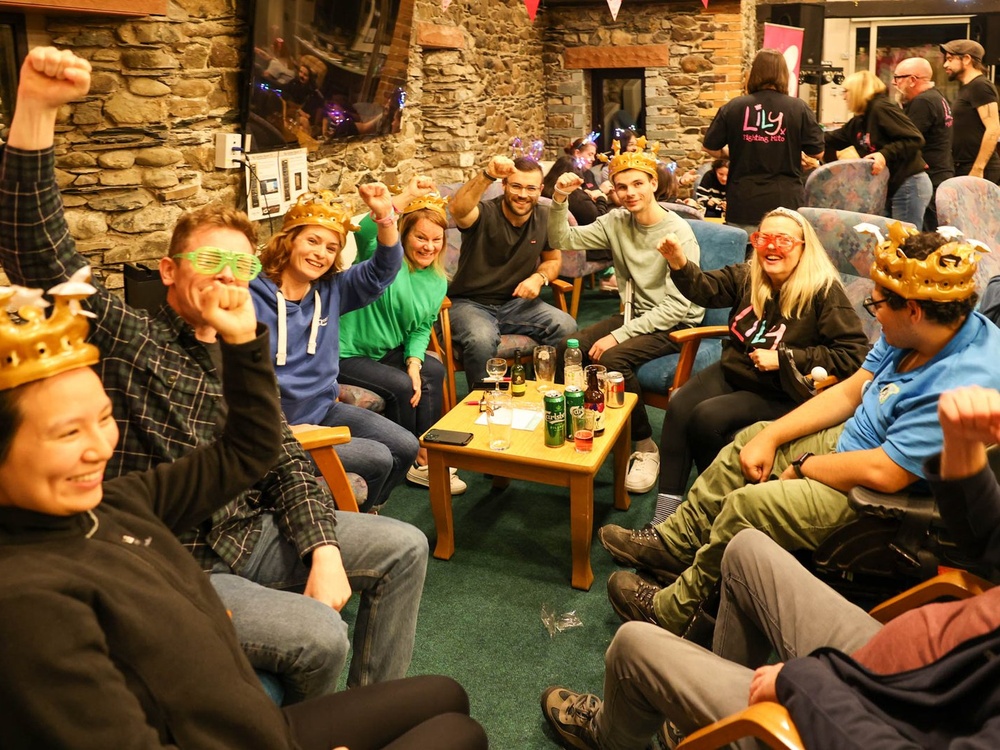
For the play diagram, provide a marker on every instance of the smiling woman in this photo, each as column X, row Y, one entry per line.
column 301, row 295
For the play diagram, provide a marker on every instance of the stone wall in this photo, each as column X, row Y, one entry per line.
column 139, row 150
column 709, row 51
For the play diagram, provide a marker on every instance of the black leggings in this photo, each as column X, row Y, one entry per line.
column 416, row 713
column 702, row 418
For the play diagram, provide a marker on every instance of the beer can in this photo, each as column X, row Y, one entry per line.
column 555, row 419
column 574, row 397
column 614, row 395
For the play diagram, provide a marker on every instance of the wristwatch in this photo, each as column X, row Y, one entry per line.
column 797, row 464
column 545, row 279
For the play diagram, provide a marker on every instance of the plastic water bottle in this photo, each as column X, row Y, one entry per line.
column 573, row 366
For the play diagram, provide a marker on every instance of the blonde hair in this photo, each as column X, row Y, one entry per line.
column 814, row 274
column 861, row 88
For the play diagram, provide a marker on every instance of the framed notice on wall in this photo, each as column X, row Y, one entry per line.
column 274, row 181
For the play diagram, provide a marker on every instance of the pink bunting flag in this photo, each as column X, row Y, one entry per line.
column 445, row 4
column 614, row 6
column 705, row 3
column 532, row 6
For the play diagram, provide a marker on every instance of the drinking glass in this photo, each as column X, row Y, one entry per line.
column 495, row 368
column 582, row 423
column 499, row 419
column 544, row 361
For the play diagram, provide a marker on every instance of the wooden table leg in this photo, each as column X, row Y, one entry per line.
column 621, row 454
column 500, row 483
column 581, row 522
column 440, row 488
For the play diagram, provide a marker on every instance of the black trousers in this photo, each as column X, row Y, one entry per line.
column 702, row 418
column 625, row 358
column 416, row 713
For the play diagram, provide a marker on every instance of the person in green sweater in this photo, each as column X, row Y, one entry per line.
column 383, row 346
column 653, row 305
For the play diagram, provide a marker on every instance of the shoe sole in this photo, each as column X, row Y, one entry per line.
column 640, row 490
column 427, row 484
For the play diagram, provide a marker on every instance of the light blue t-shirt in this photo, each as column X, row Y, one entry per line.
column 898, row 411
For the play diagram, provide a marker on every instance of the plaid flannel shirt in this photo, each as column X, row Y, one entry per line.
column 166, row 392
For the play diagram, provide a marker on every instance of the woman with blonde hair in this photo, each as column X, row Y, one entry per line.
column 789, row 312
column 383, row 345
column 300, row 296
column 881, row 132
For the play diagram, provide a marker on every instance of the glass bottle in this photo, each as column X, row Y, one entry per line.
column 593, row 399
column 517, row 376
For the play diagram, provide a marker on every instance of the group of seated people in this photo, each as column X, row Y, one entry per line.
column 182, row 416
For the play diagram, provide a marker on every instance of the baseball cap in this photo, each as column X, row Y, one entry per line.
column 965, row 47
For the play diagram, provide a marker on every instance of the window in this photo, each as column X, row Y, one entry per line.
column 619, row 101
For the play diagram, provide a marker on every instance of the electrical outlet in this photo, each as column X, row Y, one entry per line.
column 227, row 147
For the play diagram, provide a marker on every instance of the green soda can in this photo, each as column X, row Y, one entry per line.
column 574, row 397
column 555, row 419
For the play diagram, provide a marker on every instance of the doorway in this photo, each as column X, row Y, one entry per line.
column 618, row 102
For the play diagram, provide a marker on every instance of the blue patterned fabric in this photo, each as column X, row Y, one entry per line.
column 972, row 204
column 848, row 185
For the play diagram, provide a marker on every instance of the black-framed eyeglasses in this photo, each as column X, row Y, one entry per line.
column 871, row 305
column 908, row 75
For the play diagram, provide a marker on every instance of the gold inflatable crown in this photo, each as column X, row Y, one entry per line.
column 35, row 346
column 639, row 159
column 320, row 209
column 946, row 275
column 432, row 202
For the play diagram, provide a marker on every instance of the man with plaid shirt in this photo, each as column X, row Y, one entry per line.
column 161, row 371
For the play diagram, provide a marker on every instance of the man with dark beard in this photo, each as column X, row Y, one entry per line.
column 977, row 124
column 504, row 264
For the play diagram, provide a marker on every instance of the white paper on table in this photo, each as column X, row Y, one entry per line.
column 524, row 419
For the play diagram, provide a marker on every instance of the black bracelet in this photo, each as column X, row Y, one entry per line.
column 489, row 177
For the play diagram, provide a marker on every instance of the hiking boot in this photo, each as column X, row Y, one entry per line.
column 643, row 549
column 570, row 714
column 631, row 597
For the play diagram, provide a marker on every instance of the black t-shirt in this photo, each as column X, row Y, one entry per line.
column 766, row 132
column 497, row 256
column 931, row 113
column 711, row 194
column 969, row 128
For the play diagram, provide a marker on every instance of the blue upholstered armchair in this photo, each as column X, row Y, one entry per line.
column 721, row 245
column 848, row 185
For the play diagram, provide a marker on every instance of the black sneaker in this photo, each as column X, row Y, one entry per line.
column 641, row 548
column 570, row 714
column 631, row 597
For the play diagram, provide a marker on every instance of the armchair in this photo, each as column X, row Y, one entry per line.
column 973, row 205
column 848, row 185
column 318, row 441
column 771, row 723
column 721, row 245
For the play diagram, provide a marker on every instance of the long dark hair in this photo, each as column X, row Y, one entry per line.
column 561, row 166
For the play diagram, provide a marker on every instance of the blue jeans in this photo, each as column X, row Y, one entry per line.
column 380, row 450
column 477, row 328
column 909, row 202
column 303, row 641
column 389, row 379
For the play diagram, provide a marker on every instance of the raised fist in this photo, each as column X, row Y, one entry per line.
column 568, row 182
column 52, row 78
column 500, row 167
column 378, row 198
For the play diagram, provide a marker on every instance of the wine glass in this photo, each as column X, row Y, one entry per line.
column 495, row 368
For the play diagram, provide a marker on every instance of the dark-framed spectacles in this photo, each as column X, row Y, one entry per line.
column 871, row 305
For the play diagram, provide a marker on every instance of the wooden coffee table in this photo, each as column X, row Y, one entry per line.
column 529, row 458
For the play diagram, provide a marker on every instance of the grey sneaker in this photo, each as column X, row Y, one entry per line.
column 631, row 597
column 570, row 715
column 642, row 549
column 419, row 475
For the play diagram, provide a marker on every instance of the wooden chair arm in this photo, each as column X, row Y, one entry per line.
column 447, row 353
column 319, row 441
column 701, row 332
column 955, row 584
column 560, row 289
column 314, row 436
column 767, row 721
column 690, row 339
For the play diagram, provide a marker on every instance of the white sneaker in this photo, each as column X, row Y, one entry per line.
column 643, row 473
column 420, row 475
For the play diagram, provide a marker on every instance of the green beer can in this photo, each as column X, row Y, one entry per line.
column 555, row 419
column 574, row 397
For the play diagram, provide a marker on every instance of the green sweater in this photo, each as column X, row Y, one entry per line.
column 659, row 306
column 402, row 316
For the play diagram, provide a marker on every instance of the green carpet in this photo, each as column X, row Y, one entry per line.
column 480, row 618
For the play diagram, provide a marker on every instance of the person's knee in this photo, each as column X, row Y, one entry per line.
column 625, row 646
column 411, row 543
column 744, row 548
column 449, row 696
